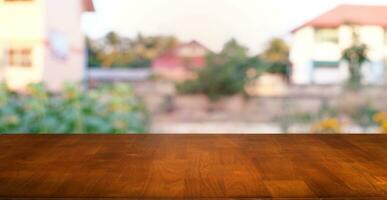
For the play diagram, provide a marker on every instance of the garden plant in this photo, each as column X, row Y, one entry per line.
column 112, row 109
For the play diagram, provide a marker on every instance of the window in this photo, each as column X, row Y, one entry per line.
column 19, row 57
column 327, row 35
column 326, row 64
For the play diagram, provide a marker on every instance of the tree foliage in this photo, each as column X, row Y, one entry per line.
column 116, row 51
column 225, row 73
column 356, row 56
column 277, row 56
column 276, row 51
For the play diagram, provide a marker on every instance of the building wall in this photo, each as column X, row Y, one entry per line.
column 306, row 49
column 52, row 29
column 373, row 36
column 26, row 29
column 301, row 55
column 65, row 56
column 27, row 23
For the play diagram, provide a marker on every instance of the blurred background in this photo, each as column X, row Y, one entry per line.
column 193, row 66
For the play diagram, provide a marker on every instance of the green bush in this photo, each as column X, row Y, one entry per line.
column 225, row 74
column 363, row 116
column 279, row 68
column 106, row 110
column 228, row 72
column 218, row 79
column 276, row 55
column 188, row 87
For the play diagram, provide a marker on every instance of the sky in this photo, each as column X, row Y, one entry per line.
column 211, row 22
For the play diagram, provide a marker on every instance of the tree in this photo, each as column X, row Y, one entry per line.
column 113, row 39
column 92, row 53
column 149, row 48
column 111, row 50
column 225, row 74
column 234, row 51
column 356, row 56
column 117, row 51
column 277, row 56
column 276, row 51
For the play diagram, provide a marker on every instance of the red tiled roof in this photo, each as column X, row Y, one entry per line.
column 173, row 61
column 356, row 14
column 88, row 6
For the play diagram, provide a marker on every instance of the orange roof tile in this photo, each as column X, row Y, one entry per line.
column 356, row 14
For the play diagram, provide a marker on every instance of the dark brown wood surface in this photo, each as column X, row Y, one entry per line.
column 193, row 166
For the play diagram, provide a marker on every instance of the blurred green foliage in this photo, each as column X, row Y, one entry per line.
column 363, row 116
column 228, row 72
column 276, row 55
column 224, row 75
column 115, row 51
column 356, row 55
column 106, row 110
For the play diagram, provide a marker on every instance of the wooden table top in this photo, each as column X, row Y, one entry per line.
column 193, row 166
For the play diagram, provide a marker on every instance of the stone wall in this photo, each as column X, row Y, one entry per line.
column 164, row 104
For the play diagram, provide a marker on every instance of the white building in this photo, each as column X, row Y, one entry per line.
column 318, row 44
column 42, row 41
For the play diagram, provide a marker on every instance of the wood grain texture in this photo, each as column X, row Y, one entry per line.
column 193, row 166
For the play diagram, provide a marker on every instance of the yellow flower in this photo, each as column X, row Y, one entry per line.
column 380, row 117
column 330, row 125
column 383, row 127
